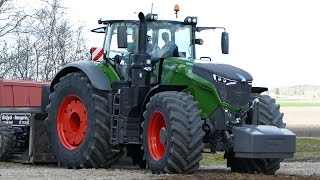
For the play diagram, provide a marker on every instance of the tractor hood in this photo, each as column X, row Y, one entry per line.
column 232, row 84
column 208, row 70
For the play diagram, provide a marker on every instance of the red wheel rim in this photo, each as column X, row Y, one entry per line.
column 156, row 124
column 71, row 122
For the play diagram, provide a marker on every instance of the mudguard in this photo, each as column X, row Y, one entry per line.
column 160, row 88
column 90, row 68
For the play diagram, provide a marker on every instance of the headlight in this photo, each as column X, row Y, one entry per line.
column 224, row 80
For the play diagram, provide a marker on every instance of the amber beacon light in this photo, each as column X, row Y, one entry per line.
column 176, row 9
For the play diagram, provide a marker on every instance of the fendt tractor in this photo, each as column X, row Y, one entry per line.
column 148, row 96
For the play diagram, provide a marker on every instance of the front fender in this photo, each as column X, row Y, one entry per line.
column 90, row 68
column 157, row 89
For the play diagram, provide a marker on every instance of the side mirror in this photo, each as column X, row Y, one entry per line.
column 198, row 41
column 122, row 37
column 225, row 43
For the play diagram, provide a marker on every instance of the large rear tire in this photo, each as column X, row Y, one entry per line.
column 78, row 124
column 269, row 114
column 7, row 141
column 172, row 133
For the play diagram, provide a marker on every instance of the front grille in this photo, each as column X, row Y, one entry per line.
column 237, row 94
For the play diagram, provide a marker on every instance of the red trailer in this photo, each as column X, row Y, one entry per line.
column 22, row 115
column 17, row 93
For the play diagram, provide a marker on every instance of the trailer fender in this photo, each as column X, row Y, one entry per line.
column 90, row 68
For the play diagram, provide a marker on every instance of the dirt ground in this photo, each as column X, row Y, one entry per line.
column 302, row 121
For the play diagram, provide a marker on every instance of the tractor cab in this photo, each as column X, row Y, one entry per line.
column 163, row 39
column 160, row 36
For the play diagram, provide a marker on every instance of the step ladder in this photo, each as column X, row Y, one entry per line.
column 115, row 122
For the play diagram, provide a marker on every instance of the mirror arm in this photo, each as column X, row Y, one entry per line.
column 208, row 28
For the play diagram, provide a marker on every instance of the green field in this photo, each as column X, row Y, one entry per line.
column 299, row 103
column 308, row 149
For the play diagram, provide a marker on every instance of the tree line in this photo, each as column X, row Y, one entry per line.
column 33, row 46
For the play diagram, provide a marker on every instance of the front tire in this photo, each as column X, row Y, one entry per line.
column 78, row 124
column 269, row 114
column 172, row 133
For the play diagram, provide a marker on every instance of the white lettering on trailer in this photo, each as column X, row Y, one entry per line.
column 15, row 119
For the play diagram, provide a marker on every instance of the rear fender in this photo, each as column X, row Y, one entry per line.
column 90, row 68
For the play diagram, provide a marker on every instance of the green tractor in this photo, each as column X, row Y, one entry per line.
column 150, row 96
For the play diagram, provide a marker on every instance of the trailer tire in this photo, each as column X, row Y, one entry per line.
column 269, row 114
column 78, row 124
column 7, row 141
column 172, row 133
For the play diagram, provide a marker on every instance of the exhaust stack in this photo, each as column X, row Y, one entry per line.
column 140, row 69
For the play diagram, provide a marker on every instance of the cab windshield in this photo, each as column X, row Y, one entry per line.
column 165, row 39
column 170, row 39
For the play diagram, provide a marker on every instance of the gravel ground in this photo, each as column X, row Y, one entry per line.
column 288, row 170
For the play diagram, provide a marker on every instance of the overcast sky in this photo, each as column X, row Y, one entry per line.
column 277, row 41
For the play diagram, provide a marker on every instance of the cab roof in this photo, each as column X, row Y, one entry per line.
column 109, row 22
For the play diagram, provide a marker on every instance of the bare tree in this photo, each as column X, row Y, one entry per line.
column 10, row 17
column 44, row 43
column 4, row 57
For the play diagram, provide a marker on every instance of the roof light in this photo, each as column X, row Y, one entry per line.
column 194, row 20
column 191, row 20
column 151, row 17
column 155, row 17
